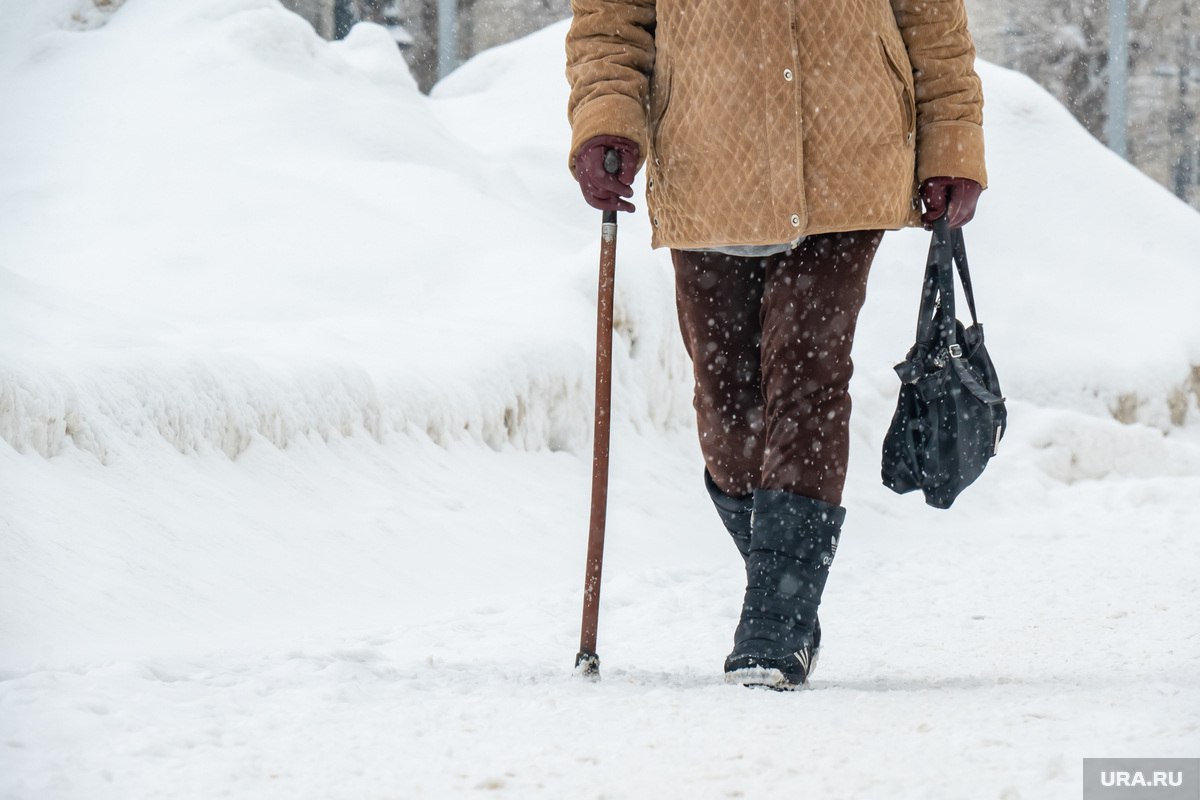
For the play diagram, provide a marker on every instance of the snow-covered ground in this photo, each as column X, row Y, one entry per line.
column 294, row 452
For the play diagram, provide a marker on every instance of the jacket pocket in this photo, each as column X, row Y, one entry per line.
column 904, row 86
column 660, row 101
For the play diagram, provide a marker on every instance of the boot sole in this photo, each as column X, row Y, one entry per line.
column 782, row 674
column 765, row 677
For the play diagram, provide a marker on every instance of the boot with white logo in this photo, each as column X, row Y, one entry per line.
column 792, row 544
column 735, row 513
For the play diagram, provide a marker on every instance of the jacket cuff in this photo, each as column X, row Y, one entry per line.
column 952, row 149
column 611, row 115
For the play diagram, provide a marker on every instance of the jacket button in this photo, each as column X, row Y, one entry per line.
column 795, row 220
column 787, row 74
column 656, row 222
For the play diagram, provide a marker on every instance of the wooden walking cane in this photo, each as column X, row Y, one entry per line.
column 587, row 662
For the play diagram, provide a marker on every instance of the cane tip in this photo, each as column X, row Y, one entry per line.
column 587, row 665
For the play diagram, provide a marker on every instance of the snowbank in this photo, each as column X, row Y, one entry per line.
column 268, row 227
column 1087, row 272
column 264, row 226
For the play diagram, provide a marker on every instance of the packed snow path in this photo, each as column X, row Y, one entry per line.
column 331, row 636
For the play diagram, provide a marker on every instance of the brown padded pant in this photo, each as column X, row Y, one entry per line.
column 770, row 345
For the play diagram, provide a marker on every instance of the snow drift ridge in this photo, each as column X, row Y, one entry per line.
column 293, row 243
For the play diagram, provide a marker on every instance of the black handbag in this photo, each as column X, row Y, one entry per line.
column 950, row 416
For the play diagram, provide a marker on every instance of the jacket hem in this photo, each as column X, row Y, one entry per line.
column 660, row 239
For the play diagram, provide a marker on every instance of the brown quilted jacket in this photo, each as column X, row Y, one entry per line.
column 765, row 120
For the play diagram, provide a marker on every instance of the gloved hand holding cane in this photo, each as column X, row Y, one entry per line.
column 603, row 189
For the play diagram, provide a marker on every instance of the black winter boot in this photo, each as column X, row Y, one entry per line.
column 793, row 542
column 734, row 512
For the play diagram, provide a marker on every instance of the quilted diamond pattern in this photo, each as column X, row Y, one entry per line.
column 766, row 120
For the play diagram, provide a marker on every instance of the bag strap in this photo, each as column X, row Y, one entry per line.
column 936, row 318
column 936, row 292
column 964, row 274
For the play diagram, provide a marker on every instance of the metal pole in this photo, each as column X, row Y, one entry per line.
column 1185, row 164
column 1118, row 71
column 447, row 37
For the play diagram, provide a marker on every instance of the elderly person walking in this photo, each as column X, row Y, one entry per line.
column 781, row 139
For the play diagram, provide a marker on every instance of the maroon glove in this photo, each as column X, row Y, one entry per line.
column 601, row 190
column 954, row 197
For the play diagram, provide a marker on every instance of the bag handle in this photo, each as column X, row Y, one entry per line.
column 947, row 249
column 964, row 274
